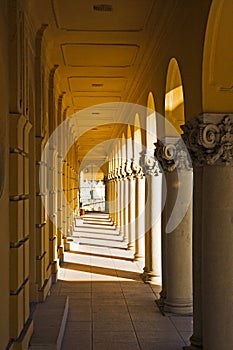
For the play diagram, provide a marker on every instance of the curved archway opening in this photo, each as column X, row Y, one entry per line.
column 217, row 86
column 174, row 99
column 137, row 139
column 151, row 130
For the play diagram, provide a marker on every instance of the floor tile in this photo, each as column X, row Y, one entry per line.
column 182, row 323
column 116, row 346
column 161, row 346
column 114, row 336
column 110, row 308
column 114, row 326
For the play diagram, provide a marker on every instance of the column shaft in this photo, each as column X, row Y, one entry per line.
column 217, row 261
column 153, row 231
column 132, row 213
column 140, row 219
column 178, row 249
column 126, row 210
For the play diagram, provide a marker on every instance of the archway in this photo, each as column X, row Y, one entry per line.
column 174, row 99
column 217, row 87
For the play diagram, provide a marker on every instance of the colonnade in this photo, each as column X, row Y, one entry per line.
column 135, row 192
column 202, row 234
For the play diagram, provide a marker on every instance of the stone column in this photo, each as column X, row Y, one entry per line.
column 131, row 206
column 152, row 267
column 116, row 196
column 140, row 213
column 177, row 227
column 122, row 175
column 209, row 138
column 125, row 205
column 119, row 184
column 110, row 180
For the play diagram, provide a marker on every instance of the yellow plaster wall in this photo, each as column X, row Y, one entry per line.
column 183, row 38
column 218, row 59
column 4, row 194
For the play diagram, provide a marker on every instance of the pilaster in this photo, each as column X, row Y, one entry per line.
column 19, row 128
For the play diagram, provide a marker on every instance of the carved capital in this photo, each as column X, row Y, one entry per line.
column 209, row 138
column 173, row 156
column 123, row 173
column 149, row 164
column 137, row 170
column 128, row 169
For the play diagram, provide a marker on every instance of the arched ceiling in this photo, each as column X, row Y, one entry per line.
column 102, row 49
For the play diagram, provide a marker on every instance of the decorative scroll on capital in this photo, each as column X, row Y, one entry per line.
column 137, row 170
column 128, row 169
column 173, row 156
column 122, row 172
column 149, row 164
column 209, row 138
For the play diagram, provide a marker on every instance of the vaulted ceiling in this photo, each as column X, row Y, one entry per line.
column 102, row 48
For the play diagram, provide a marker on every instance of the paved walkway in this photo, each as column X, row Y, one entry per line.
column 110, row 308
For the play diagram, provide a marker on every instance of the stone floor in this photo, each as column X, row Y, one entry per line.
column 110, row 308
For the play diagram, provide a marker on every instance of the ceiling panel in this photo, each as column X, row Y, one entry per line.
column 83, row 102
column 97, row 84
column 80, row 15
column 99, row 55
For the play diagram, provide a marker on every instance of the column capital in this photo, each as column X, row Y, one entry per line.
column 122, row 172
column 173, row 156
column 209, row 138
column 128, row 169
column 137, row 170
column 149, row 164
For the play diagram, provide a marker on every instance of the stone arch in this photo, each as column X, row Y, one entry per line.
column 151, row 130
column 129, row 145
column 174, row 99
column 137, row 139
column 217, row 85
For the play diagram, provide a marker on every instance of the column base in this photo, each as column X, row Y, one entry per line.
column 196, row 343
column 150, row 277
column 130, row 246
column 138, row 257
column 192, row 347
column 178, row 308
column 160, row 305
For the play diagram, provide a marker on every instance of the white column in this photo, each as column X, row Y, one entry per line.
column 177, row 291
column 126, row 209
column 210, row 142
column 152, row 267
column 140, row 217
column 132, row 212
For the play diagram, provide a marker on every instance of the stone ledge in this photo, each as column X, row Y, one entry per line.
column 49, row 323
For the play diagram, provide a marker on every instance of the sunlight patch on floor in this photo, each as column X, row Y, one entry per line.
column 74, row 275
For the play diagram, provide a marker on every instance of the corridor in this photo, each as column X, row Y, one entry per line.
column 110, row 307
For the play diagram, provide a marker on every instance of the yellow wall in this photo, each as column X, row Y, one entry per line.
column 218, row 59
column 183, row 38
column 4, row 232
